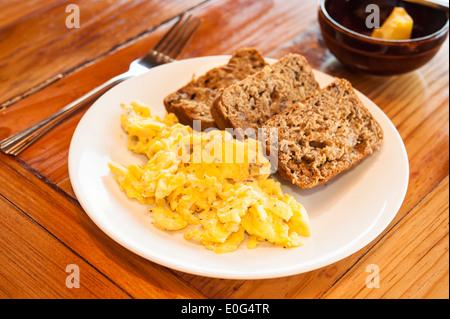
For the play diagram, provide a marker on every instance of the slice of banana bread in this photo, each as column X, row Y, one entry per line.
column 328, row 133
column 193, row 101
column 253, row 100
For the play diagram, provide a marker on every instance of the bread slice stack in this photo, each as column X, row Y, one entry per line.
column 320, row 132
column 255, row 99
column 326, row 134
column 193, row 101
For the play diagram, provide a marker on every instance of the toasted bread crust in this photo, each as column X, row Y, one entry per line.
column 325, row 135
column 220, row 118
column 253, row 100
column 193, row 101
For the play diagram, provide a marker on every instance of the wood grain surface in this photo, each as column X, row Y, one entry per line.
column 44, row 66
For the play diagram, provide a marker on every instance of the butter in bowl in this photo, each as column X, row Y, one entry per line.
column 383, row 37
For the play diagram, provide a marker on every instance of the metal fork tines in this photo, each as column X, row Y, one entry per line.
column 173, row 41
column 166, row 50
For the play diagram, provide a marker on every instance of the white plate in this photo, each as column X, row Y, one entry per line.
column 346, row 214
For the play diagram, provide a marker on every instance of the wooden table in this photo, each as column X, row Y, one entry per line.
column 44, row 65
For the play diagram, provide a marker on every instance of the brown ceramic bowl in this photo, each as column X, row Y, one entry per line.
column 344, row 31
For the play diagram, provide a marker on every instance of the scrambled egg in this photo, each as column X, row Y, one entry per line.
column 214, row 187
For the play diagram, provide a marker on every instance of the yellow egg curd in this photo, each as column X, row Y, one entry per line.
column 213, row 186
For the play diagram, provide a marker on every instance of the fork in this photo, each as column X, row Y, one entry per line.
column 165, row 51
